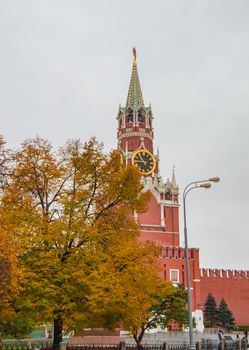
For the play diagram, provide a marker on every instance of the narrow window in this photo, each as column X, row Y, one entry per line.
column 130, row 117
column 140, row 117
column 174, row 276
column 167, row 252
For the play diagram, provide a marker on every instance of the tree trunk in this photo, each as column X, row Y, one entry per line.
column 139, row 345
column 57, row 332
column 138, row 338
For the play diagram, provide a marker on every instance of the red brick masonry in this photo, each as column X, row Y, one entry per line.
column 232, row 285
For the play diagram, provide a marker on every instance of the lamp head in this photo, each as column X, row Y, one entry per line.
column 206, row 185
column 214, row 179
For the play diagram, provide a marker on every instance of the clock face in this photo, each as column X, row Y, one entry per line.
column 144, row 160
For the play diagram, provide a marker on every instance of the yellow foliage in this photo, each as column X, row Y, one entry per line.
column 69, row 216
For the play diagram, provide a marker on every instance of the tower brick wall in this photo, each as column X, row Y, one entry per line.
column 151, row 224
column 172, row 223
column 232, row 285
column 173, row 258
column 153, row 214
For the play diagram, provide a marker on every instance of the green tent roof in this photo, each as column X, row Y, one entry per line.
column 135, row 97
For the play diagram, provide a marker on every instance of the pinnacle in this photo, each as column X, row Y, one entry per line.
column 173, row 180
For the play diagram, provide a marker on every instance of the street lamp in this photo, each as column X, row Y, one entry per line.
column 191, row 186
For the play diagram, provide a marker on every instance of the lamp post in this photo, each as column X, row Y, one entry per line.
column 191, row 186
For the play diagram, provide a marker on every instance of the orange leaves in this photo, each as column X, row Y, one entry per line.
column 10, row 270
column 123, row 288
column 69, row 216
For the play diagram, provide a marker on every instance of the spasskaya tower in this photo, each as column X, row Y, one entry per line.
column 135, row 141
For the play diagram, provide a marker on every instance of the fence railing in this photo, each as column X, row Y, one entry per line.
column 93, row 347
column 124, row 346
column 203, row 344
column 207, row 344
column 32, row 346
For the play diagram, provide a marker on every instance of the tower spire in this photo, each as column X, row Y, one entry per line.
column 135, row 97
column 135, row 120
column 173, row 180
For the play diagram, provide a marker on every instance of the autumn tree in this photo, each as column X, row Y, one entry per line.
column 70, row 214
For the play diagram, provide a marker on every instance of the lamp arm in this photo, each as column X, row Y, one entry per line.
column 195, row 183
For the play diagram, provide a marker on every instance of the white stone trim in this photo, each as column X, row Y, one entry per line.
column 162, row 216
column 144, row 134
column 163, row 232
column 198, row 315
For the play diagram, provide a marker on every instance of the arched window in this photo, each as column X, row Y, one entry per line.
column 130, row 117
column 140, row 117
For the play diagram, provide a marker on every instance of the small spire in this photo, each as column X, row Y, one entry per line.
column 135, row 97
column 173, row 180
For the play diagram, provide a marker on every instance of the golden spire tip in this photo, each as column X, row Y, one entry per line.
column 134, row 55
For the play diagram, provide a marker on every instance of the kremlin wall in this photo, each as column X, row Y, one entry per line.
column 232, row 285
column 160, row 223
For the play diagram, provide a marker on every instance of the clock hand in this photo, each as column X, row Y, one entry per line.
column 141, row 160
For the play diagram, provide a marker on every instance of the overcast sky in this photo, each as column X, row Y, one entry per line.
column 65, row 66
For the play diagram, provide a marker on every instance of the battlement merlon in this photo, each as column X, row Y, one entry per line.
column 222, row 273
column 175, row 252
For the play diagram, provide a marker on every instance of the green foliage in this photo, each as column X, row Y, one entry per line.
column 226, row 319
column 220, row 316
column 171, row 308
column 241, row 328
column 211, row 313
column 15, row 326
column 170, row 305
